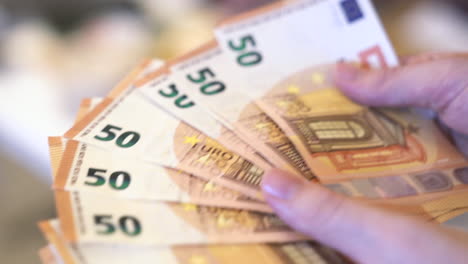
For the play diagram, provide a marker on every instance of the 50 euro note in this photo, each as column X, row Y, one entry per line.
column 92, row 218
column 88, row 169
column 209, row 58
column 342, row 140
column 266, row 45
column 81, row 167
column 130, row 222
column 161, row 88
column 278, row 253
column 127, row 123
column 400, row 188
column 412, row 190
column 202, row 75
column 269, row 44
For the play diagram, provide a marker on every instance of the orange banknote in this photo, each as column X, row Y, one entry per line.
column 341, row 140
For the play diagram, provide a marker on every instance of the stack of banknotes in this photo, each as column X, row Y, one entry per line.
column 167, row 167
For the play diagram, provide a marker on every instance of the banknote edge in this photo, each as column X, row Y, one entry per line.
column 54, row 238
column 65, row 164
column 63, row 203
column 111, row 96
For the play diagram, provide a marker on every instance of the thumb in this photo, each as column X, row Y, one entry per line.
column 441, row 85
column 360, row 231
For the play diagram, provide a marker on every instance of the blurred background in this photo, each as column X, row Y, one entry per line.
column 54, row 53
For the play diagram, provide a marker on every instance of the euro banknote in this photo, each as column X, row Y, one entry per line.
column 342, row 140
column 162, row 90
column 276, row 253
column 92, row 218
column 74, row 169
column 127, row 123
column 85, row 168
column 201, row 74
column 167, row 167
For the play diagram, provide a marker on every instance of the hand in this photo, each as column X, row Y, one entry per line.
column 365, row 233
column 435, row 81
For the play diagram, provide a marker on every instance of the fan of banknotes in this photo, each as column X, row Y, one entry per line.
column 166, row 168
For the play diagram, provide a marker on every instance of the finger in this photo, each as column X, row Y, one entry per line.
column 358, row 230
column 319, row 213
column 441, row 85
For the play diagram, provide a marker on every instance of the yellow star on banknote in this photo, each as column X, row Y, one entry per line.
column 204, row 159
column 293, row 89
column 260, row 125
column 224, row 221
column 318, row 78
column 209, row 187
column 189, row 207
column 197, row 260
column 282, row 103
column 193, row 140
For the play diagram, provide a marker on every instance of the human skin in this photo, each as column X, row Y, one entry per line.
column 367, row 233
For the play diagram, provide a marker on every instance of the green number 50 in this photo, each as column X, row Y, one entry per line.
column 124, row 140
column 247, row 56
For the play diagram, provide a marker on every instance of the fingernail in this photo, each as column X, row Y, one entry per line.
column 280, row 184
column 348, row 72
